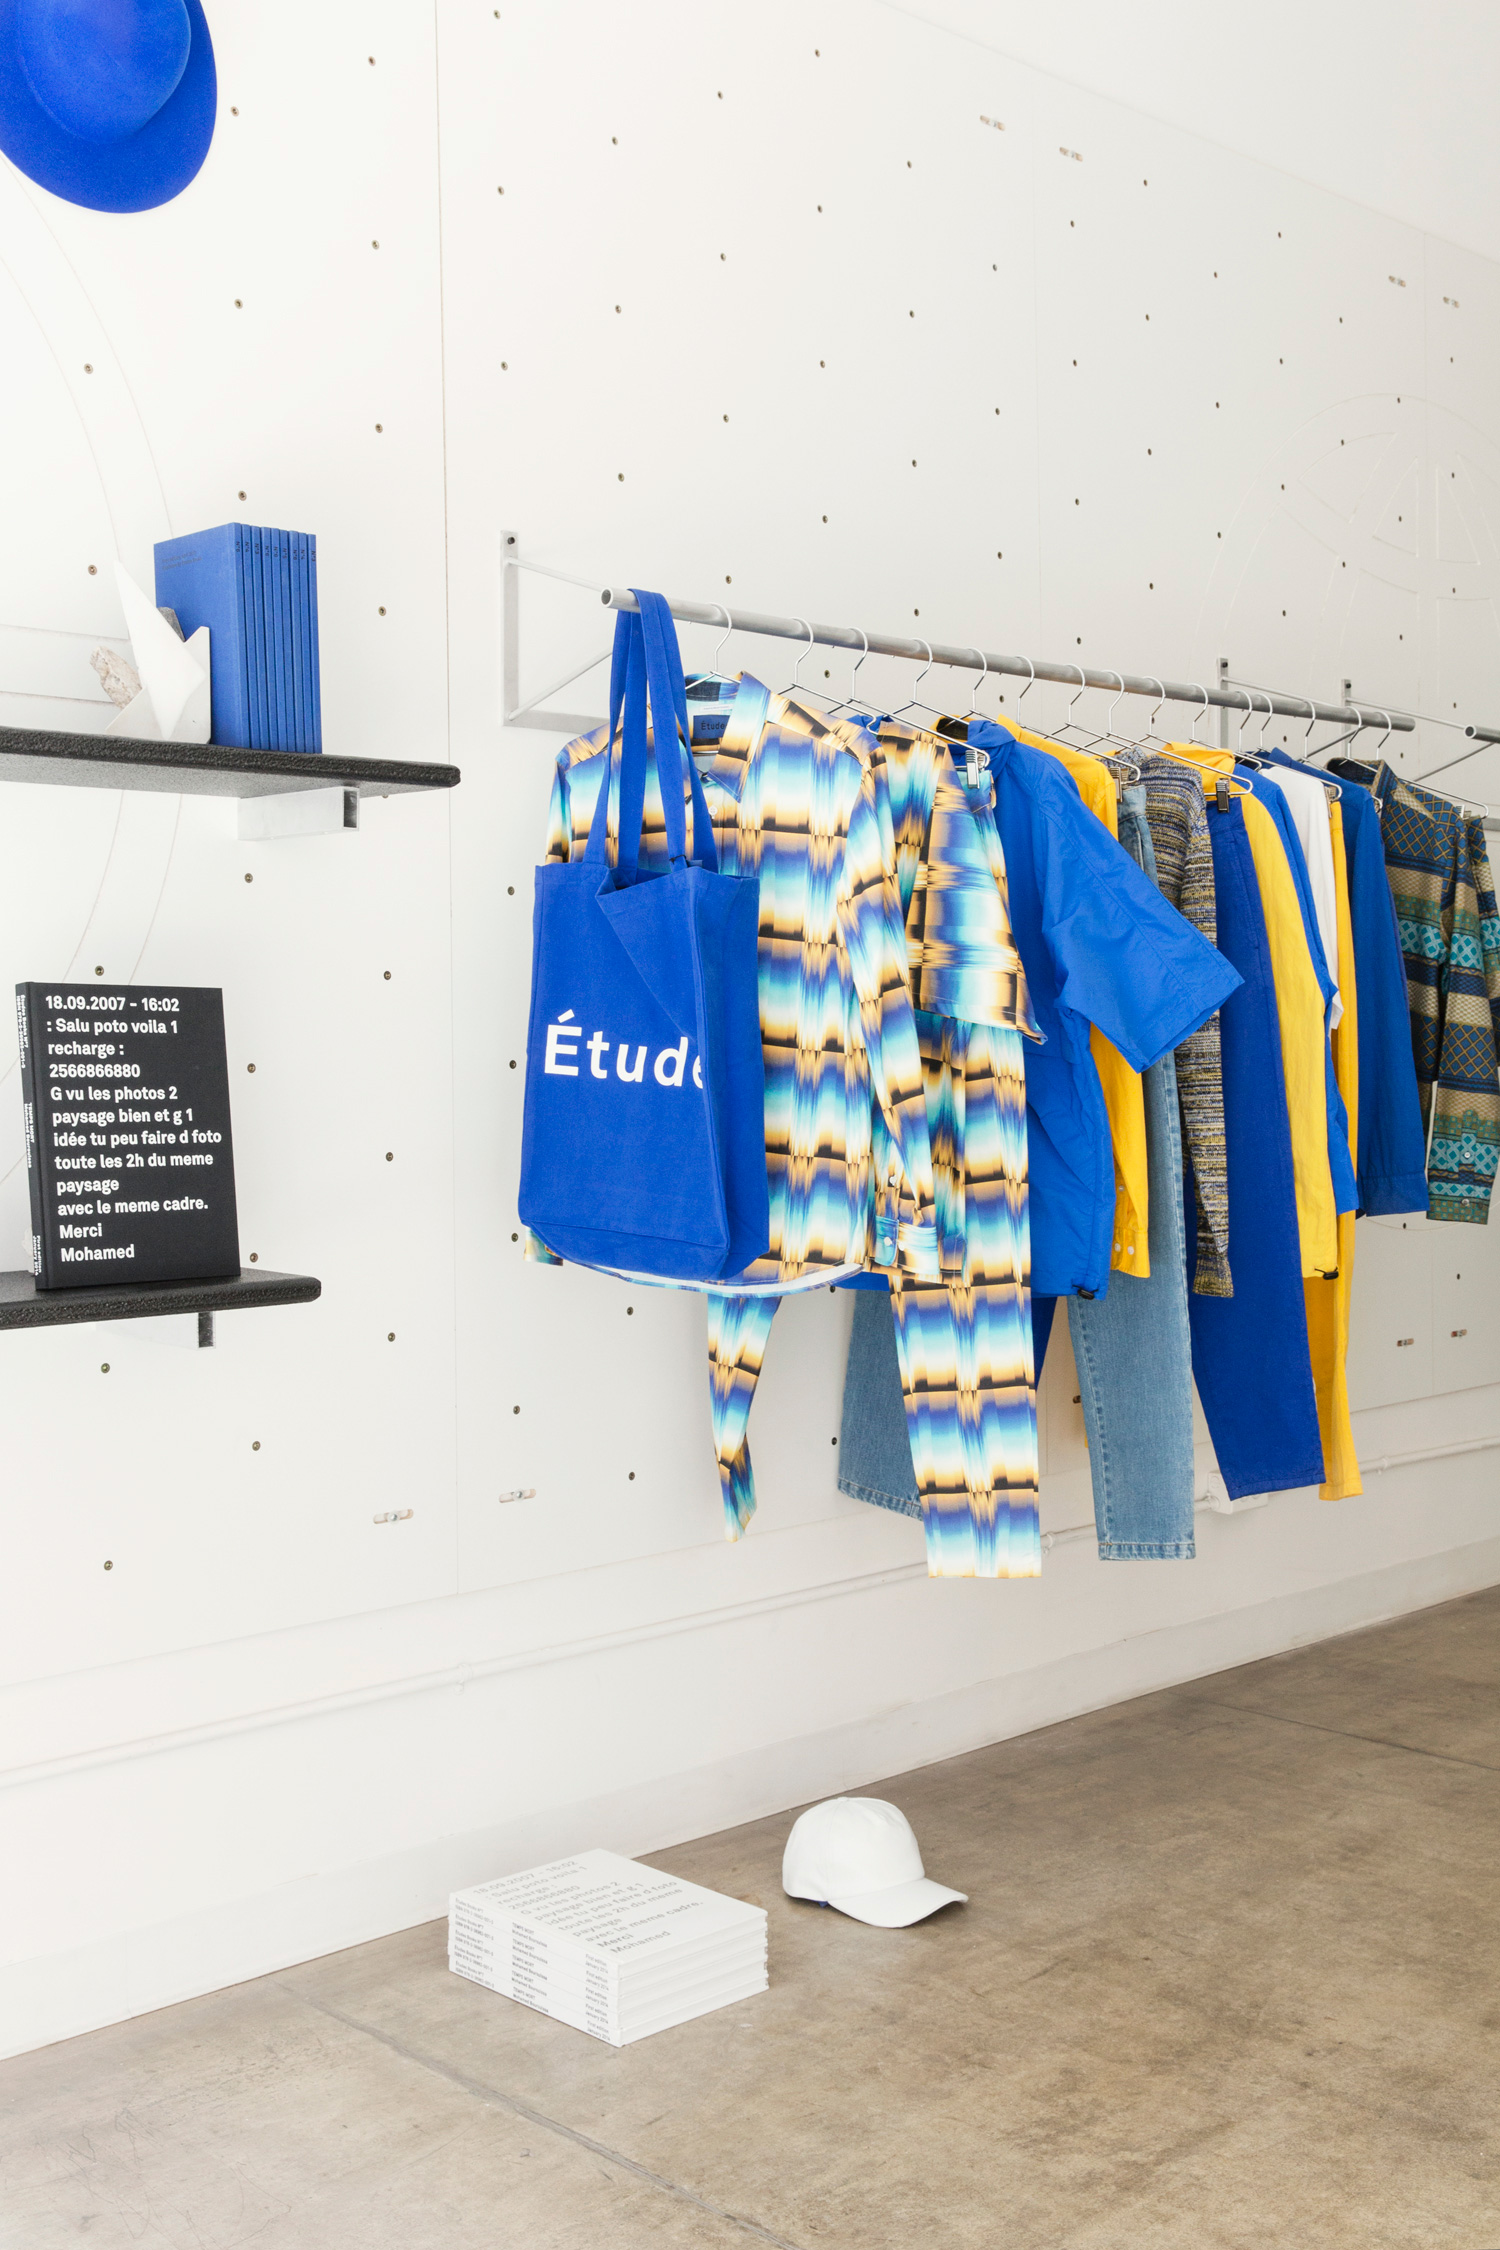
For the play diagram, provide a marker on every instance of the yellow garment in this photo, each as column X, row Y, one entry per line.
column 1299, row 1009
column 1328, row 1301
column 1124, row 1094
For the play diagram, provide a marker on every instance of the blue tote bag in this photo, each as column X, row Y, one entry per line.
column 643, row 1145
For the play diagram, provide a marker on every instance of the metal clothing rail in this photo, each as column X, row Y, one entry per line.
column 985, row 661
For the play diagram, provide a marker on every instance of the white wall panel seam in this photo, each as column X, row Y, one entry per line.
column 454, row 1190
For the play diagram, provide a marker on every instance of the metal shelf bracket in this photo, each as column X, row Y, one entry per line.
column 513, row 712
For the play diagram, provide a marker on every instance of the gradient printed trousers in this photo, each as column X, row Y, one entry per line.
column 963, row 1345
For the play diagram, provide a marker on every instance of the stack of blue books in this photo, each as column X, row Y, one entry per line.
column 257, row 592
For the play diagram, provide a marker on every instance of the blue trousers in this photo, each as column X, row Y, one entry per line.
column 874, row 1446
column 1134, row 1353
column 1132, row 1345
column 1250, row 1351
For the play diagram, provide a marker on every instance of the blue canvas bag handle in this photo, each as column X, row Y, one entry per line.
column 626, row 659
column 627, row 691
column 664, row 667
column 645, row 659
column 661, row 642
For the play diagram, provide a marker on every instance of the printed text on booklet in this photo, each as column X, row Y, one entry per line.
column 129, row 1154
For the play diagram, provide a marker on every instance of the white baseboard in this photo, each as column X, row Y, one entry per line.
column 60, row 1995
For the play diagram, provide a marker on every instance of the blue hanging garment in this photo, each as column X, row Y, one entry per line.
column 643, row 1145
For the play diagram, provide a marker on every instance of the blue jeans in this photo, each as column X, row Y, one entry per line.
column 874, row 1447
column 1133, row 1345
column 1134, row 1353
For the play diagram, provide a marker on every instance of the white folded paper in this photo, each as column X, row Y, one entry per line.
column 173, row 704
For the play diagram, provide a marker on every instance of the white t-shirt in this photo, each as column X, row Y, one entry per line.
column 1309, row 802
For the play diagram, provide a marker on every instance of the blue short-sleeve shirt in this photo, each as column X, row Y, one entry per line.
column 1100, row 945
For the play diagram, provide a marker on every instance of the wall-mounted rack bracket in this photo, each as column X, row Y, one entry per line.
column 513, row 713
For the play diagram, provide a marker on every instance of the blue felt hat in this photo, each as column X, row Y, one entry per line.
column 107, row 103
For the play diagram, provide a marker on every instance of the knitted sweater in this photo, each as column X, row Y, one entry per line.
column 1444, row 895
column 1178, row 821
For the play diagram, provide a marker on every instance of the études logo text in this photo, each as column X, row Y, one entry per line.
column 566, row 1041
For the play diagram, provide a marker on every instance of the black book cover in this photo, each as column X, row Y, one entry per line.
column 129, row 1156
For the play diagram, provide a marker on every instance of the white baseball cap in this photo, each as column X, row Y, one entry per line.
column 859, row 1854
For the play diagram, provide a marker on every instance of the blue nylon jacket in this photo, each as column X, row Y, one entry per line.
column 1099, row 945
column 1392, row 1144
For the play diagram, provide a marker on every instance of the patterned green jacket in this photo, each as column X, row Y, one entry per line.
column 1440, row 879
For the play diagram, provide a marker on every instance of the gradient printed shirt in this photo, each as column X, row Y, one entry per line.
column 950, row 877
column 801, row 801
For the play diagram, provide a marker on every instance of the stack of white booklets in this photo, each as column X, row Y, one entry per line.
column 609, row 1946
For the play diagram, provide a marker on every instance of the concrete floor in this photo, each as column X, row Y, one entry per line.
column 1228, row 1977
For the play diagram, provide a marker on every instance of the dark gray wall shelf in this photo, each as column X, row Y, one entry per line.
column 23, row 1305
column 203, row 769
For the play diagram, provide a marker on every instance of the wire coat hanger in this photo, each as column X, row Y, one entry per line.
column 916, row 703
column 1179, row 755
column 796, row 687
column 1330, row 786
column 1111, row 749
column 977, row 760
column 1147, row 735
column 1069, row 724
column 852, row 701
column 1241, row 755
column 1203, row 714
column 1123, row 755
